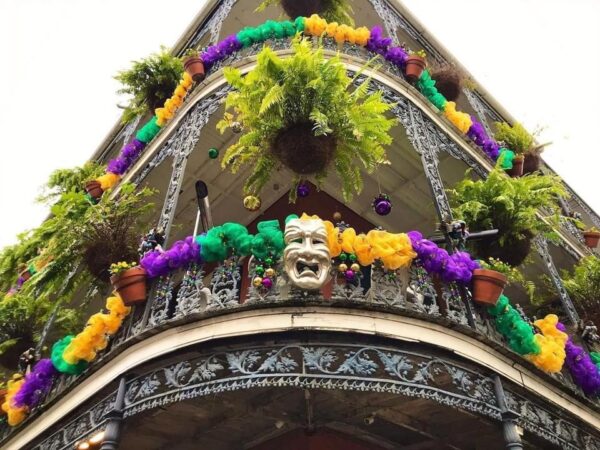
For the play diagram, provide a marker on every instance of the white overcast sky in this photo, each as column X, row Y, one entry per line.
column 58, row 97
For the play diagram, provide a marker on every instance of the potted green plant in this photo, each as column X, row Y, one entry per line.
column 415, row 65
column 193, row 65
column 150, row 82
column 129, row 280
column 448, row 81
column 520, row 141
column 304, row 112
column 510, row 205
column 583, row 285
column 592, row 236
column 338, row 11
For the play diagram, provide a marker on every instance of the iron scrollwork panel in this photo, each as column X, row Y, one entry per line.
column 541, row 246
column 329, row 366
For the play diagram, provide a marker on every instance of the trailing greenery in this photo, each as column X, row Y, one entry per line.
column 22, row 317
column 583, row 286
column 338, row 11
column 517, row 138
column 62, row 181
column 304, row 88
column 509, row 204
column 150, row 82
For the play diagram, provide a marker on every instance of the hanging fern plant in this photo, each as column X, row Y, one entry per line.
column 306, row 113
column 338, row 11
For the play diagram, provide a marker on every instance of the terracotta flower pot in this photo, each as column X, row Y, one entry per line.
column 415, row 65
column 3, row 393
column 131, row 285
column 487, row 286
column 591, row 238
column 517, row 168
column 94, row 189
column 25, row 274
column 195, row 68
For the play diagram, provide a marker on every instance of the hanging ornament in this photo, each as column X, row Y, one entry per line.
column 337, row 216
column 213, row 153
column 303, row 190
column 236, row 127
column 382, row 204
column 252, row 203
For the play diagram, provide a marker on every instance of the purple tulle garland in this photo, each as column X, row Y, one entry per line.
column 478, row 134
column 159, row 262
column 129, row 154
column 583, row 370
column 379, row 44
column 457, row 267
column 37, row 384
column 220, row 51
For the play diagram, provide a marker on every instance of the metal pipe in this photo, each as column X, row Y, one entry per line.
column 204, row 214
column 470, row 236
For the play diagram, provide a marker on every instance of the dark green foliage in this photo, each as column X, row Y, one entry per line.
column 150, row 82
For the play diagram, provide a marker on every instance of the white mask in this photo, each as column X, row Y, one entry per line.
column 306, row 257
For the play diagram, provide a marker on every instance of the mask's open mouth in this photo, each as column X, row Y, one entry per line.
column 308, row 269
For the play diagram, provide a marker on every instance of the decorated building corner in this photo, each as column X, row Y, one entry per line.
column 307, row 234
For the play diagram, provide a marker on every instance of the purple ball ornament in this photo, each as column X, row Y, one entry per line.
column 303, row 190
column 267, row 283
column 382, row 204
column 349, row 275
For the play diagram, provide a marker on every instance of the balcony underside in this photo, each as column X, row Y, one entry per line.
column 319, row 349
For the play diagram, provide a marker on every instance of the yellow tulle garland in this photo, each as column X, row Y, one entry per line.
column 168, row 110
column 394, row 250
column 552, row 345
column 94, row 336
column 461, row 120
column 14, row 415
column 108, row 180
column 317, row 26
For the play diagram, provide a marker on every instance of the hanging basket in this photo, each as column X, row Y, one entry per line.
column 195, row 68
column 415, row 65
column 513, row 252
column 532, row 162
column 94, row 189
column 591, row 238
column 487, row 286
column 301, row 151
column 131, row 285
column 517, row 168
column 302, row 8
column 448, row 82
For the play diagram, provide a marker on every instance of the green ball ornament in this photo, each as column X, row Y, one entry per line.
column 352, row 257
column 269, row 261
column 343, row 257
column 213, row 153
column 260, row 270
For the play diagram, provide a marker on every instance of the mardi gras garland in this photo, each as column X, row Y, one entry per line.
column 548, row 349
column 373, row 40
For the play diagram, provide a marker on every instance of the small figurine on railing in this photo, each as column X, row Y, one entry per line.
column 26, row 360
column 154, row 239
column 590, row 333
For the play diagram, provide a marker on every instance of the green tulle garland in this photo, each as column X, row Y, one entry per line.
column 426, row 85
column 269, row 240
column 148, row 131
column 270, row 30
column 60, row 364
column 510, row 324
column 224, row 241
column 595, row 358
column 506, row 158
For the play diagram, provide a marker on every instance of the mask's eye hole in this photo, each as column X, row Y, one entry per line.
column 297, row 241
column 317, row 241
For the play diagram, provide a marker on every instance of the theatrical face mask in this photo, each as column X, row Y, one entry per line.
column 306, row 256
